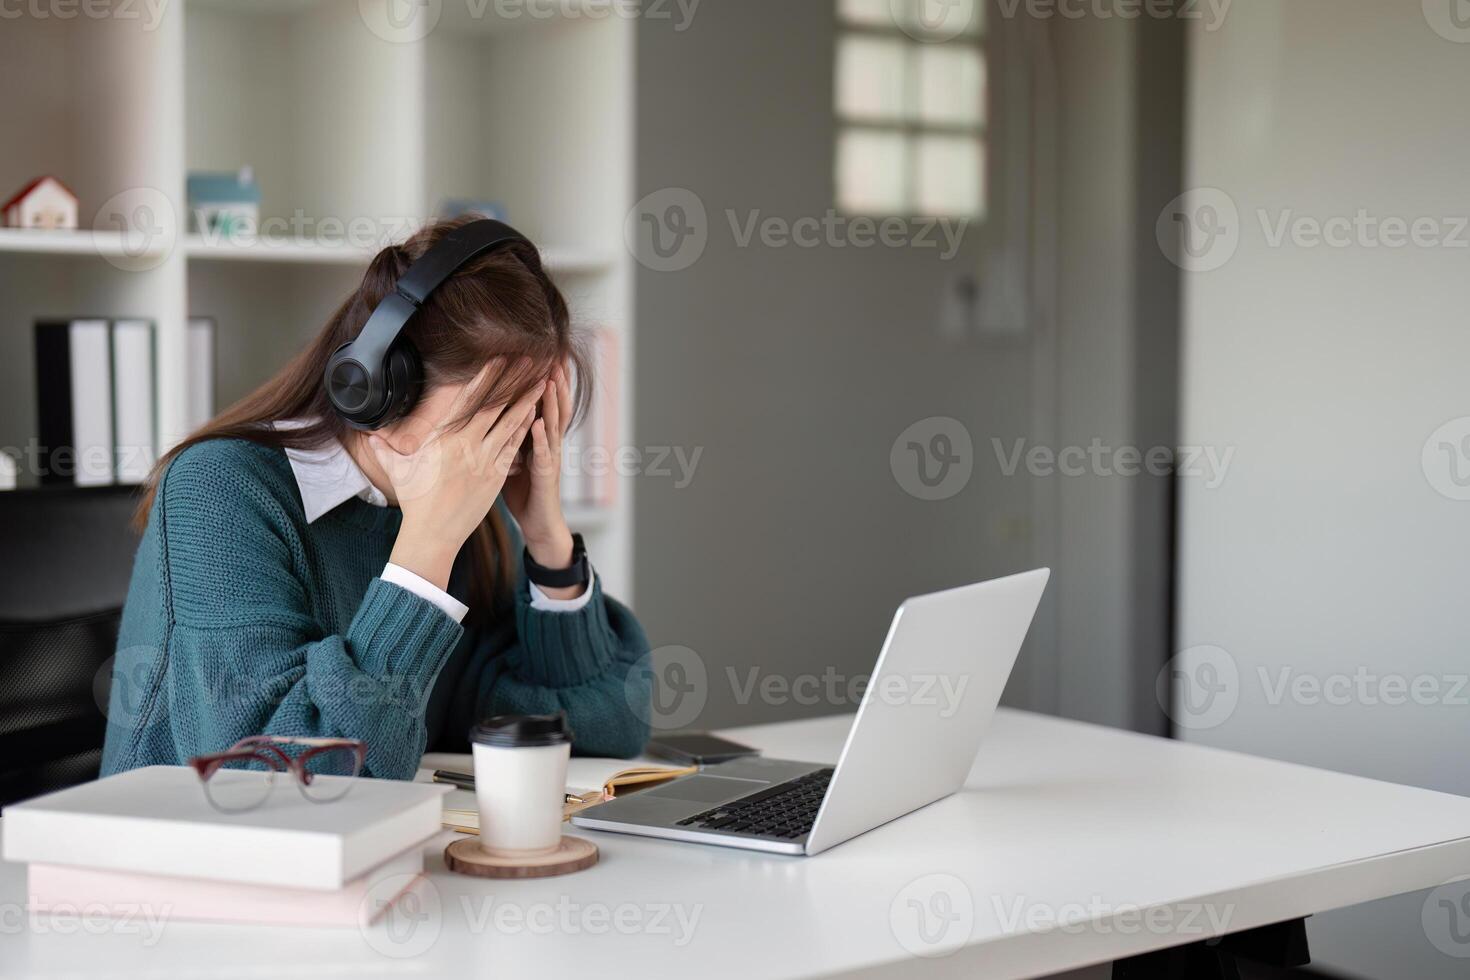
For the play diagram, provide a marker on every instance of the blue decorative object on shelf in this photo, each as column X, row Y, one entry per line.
column 223, row 204
column 455, row 207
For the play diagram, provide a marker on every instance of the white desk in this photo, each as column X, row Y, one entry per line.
column 1063, row 831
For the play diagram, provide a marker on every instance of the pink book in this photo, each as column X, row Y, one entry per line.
column 62, row 888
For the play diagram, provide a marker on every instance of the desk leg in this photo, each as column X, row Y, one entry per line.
column 1282, row 945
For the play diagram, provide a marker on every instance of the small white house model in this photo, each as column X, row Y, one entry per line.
column 43, row 203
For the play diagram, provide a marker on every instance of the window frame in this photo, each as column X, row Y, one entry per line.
column 910, row 126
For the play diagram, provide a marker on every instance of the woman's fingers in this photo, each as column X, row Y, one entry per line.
column 485, row 420
column 515, row 419
column 544, row 460
column 507, row 455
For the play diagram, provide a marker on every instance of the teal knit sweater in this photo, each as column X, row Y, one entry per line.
column 243, row 619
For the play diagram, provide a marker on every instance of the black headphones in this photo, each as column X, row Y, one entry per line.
column 376, row 379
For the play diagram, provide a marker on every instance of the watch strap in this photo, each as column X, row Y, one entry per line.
column 577, row 573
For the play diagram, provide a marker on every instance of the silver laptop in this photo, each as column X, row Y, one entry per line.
column 931, row 697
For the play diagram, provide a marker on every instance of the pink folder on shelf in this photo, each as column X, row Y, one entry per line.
column 59, row 888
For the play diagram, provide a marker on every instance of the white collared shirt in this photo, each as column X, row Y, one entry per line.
column 328, row 477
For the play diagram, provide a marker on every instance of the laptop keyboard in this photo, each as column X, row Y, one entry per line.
column 786, row 810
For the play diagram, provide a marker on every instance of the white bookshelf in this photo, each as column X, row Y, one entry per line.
column 340, row 125
column 94, row 244
column 299, row 252
column 562, row 261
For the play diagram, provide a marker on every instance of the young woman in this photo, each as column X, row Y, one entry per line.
column 298, row 577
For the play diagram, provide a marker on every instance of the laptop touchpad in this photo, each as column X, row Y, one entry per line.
column 705, row 789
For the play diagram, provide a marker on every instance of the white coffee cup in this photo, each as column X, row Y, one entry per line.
column 520, row 781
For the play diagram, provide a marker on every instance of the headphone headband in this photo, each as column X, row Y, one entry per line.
column 375, row 378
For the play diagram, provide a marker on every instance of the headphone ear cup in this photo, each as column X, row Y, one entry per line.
column 405, row 374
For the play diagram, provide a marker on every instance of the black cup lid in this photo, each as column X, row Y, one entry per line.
column 517, row 731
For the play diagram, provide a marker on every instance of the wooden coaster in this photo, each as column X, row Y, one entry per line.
column 465, row 856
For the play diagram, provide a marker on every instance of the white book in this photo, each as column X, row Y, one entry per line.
column 200, row 355
column 157, row 821
column 91, row 402
column 133, row 399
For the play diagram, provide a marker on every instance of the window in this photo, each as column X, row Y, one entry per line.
column 910, row 93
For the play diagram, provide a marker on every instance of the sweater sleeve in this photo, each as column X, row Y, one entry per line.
column 585, row 662
column 246, row 656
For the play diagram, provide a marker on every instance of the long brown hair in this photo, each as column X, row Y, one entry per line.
column 502, row 304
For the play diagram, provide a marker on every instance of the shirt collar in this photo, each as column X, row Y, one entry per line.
column 328, row 477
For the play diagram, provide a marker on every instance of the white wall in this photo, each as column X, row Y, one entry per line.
column 794, row 370
column 1327, row 549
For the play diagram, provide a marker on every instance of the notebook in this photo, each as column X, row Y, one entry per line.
column 466, row 820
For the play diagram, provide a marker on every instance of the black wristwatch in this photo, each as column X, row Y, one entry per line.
column 577, row 573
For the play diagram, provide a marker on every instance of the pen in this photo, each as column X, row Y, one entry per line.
column 459, row 780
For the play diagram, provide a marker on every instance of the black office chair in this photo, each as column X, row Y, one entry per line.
column 68, row 555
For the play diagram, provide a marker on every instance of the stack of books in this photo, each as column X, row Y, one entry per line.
column 149, row 839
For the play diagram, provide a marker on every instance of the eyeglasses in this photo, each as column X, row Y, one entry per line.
column 241, row 777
